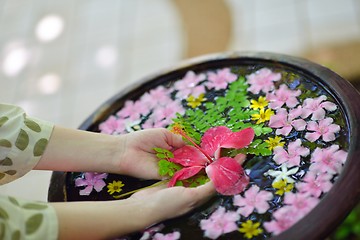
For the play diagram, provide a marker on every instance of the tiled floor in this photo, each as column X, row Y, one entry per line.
column 65, row 73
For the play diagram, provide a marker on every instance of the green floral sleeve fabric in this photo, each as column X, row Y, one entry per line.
column 28, row 220
column 22, row 143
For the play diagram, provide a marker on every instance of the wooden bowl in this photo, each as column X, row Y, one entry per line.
column 334, row 205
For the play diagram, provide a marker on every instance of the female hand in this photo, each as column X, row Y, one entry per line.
column 166, row 203
column 137, row 156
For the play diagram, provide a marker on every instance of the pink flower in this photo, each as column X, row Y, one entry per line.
column 168, row 111
column 188, row 85
column 292, row 156
column 92, row 181
column 133, row 110
column 302, row 203
column 285, row 121
column 283, row 96
column 284, row 218
column 112, row 125
column 262, row 80
column 157, row 96
column 220, row 79
column 328, row 160
column 316, row 107
column 226, row 173
column 315, row 184
column 324, row 129
column 253, row 199
column 170, row 236
column 220, row 222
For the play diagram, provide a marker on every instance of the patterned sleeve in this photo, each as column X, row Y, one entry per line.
column 22, row 142
column 22, row 219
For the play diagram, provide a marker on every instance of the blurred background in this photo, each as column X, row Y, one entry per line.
column 60, row 60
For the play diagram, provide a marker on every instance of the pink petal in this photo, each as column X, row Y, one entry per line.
column 183, row 174
column 299, row 124
column 312, row 137
column 227, row 175
column 99, row 185
column 284, row 131
column 188, row 156
column 312, row 126
column 329, row 106
column 213, row 137
column 239, row 139
column 328, row 137
column 246, row 210
column 86, row 191
column 318, row 114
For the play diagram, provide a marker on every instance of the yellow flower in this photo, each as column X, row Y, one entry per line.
column 261, row 103
column 250, row 229
column 262, row 116
column 283, row 186
column 115, row 186
column 195, row 102
column 274, row 142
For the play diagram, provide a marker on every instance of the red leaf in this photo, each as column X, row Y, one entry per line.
column 228, row 176
column 183, row 174
column 189, row 156
column 239, row 139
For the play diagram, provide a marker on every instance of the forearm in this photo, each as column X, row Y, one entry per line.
column 76, row 150
column 102, row 220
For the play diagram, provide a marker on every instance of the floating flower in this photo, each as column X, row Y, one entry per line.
column 283, row 96
column 158, row 96
column 262, row 80
column 91, row 180
column 262, row 116
column 285, row 121
column 133, row 110
column 220, row 79
column 274, row 142
column 112, row 125
column 315, row 183
column 194, row 102
column 282, row 187
column 250, row 229
column 220, row 222
column 170, row 236
column 291, row 157
column 261, row 103
column 325, row 129
column 303, row 203
column 115, row 187
column 284, row 174
column 168, row 111
column 284, row 218
column 226, row 173
column 189, row 85
column 253, row 199
column 328, row 160
column 316, row 107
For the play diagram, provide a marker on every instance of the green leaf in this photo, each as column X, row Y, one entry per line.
column 3, row 214
column 39, row 147
column 14, row 201
column 16, row 235
column 32, row 125
column 5, row 143
column 35, row 206
column 3, row 120
column 167, row 168
column 34, row 223
column 22, row 140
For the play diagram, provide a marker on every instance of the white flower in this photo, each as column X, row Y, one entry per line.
column 284, row 174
